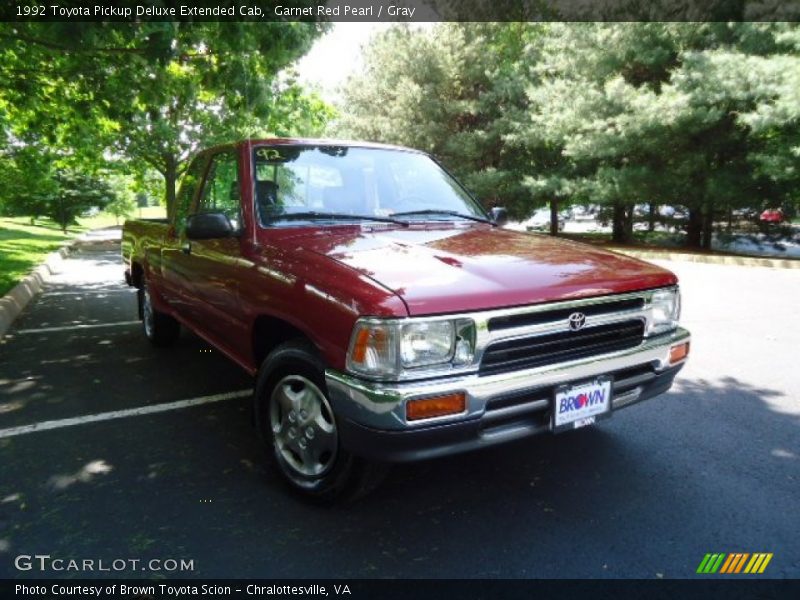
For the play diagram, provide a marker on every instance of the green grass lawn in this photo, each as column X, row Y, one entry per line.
column 663, row 239
column 24, row 246
column 106, row 220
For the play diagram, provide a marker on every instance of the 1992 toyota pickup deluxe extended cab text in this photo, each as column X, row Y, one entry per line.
column 386, row 316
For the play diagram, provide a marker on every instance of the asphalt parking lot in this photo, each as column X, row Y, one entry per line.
column 713, row 466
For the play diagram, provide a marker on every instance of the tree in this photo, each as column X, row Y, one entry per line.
column 659, row 113
column 123, row 201
column 153, row 92
column 699, row 115
column 454, row 91
column 76, row 193
column 775, row 128
column 27, row 182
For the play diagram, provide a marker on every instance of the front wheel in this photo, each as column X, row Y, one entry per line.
column 299, row 428
column 159, row 328
column 303, row 428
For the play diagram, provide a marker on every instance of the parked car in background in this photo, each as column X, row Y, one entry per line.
column 745, row 215
column 540, row 221
column 772, row 215
column 666, row 211
column 585, row 213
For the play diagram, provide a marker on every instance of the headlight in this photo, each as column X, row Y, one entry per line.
column 386, row 349
column 426, row 343
column 665, row 309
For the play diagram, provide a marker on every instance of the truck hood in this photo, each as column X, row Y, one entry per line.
column 452, row 269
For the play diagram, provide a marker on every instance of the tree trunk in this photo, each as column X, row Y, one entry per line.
column 694, row 229
column 61, row 215
column 651, row 217
column 628, row 223
column 170, row 184
column 618, row 224
column 553, row 217
column 622, row 232
column 708, row 226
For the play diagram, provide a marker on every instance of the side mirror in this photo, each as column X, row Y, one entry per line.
column 499, row 215
column 208, row 226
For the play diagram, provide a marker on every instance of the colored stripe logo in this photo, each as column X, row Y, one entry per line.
column 733, row 563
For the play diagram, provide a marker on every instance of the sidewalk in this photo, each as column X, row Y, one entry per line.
column 712, row 259
column 15, row 301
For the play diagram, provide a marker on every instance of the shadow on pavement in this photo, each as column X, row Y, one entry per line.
column 648, row 492
column 710, row 467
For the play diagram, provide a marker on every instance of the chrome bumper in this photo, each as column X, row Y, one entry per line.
column 381, row 406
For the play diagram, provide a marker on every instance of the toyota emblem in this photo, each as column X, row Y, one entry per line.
column 576, row 321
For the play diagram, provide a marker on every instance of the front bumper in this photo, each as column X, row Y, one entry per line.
column 500, row 408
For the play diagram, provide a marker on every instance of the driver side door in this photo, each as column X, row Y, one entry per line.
column 217, row 264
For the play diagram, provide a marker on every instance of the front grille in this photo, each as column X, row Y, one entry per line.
column 559, row 314
column 564, row 346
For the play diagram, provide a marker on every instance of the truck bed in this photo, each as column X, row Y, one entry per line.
column 137, row 235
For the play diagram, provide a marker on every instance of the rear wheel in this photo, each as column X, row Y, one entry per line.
column 300, row 431
column 161, row 329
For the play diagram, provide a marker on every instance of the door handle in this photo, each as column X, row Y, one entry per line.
column 187, row 248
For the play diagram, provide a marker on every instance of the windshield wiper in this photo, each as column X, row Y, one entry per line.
column 314, row 215
column 451, row 213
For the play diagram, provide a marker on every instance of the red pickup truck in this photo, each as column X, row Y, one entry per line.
column 386, row 315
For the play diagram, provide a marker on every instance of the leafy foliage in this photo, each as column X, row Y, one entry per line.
column 76, row 193
column 658, row 113
column 700, row 115
column 35, row 186
column 123, row 202
column 454, row 91
column 151, row 93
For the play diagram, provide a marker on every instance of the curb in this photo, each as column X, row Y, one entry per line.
column 21, row 294
column 742, row 261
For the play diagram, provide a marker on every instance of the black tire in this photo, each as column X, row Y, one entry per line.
column 291, row 380
column 159, row 328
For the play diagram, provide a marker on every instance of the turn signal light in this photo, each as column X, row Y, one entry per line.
column 439, row 406
column 678, row 353
column 360, row 347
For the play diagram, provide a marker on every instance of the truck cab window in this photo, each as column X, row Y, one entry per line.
column 221, row 188
column 189, row 183
column 351, row 180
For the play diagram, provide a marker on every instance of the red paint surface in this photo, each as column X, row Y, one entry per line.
column 320, row 279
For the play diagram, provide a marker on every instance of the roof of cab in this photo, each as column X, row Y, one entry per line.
column 326, row 142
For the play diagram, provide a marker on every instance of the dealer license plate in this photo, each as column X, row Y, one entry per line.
column 582, row 404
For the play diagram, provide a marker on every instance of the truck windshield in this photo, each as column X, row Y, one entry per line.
column 297, row 183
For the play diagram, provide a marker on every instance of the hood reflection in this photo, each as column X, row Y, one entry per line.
column 459, row 268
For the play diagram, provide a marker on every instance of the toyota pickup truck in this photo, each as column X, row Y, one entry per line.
column 386, row 315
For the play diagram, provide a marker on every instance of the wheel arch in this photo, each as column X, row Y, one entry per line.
column 269, row 332
column 137, row 274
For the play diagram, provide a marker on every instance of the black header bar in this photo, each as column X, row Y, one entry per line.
column 360, row 589
column 401, row 10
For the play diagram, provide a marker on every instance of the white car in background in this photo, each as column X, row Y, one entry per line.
column 540, row 221
column 585, row 213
